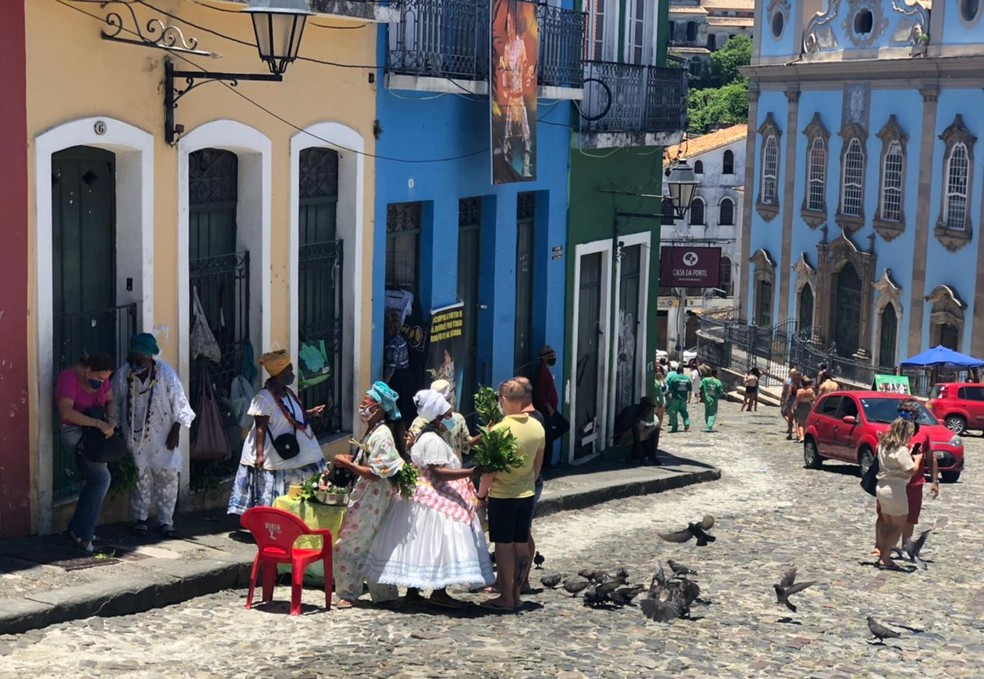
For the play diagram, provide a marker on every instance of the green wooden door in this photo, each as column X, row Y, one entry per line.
column 83, row 264
column 319, row 288
column 525, row 222
column 469, row 243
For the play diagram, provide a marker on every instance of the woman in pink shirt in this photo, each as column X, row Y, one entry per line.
column 84, row 396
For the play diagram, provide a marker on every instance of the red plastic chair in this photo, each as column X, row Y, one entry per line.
column 275, row 532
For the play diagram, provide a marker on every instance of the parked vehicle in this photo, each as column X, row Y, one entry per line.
column 960, row 405
column 845, row 425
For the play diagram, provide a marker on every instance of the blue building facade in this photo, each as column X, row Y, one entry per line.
column 444, row 232
column 864, row 181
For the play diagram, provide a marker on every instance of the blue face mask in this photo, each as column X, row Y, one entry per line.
column 96, row 384
column 448, row 422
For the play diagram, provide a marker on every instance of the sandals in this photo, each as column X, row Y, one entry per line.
column 345, row 603
column 167, row 530
column 139, row 528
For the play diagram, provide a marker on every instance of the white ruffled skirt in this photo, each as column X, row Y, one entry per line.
column 416, row 546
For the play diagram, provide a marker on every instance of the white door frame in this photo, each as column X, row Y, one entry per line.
column 604, row 317
column 643, row 240
column 648, row 37
column 134, row 149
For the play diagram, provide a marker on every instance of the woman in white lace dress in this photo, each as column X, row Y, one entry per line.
column 435, row 539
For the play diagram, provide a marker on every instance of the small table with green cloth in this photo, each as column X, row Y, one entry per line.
column 317, row 516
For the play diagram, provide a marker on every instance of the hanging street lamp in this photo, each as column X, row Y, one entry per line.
column 682, row 183
column 279, row 26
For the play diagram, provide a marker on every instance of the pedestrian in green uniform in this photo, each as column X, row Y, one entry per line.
column 677, row 390
column 711, row 390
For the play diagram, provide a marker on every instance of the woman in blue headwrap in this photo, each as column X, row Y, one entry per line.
column 379, row 457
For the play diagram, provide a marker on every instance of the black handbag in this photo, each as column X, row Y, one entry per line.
column 96, row 447
column 869, row 480
column 286, row 445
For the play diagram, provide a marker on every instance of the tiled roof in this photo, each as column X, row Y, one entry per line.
column 708, row 142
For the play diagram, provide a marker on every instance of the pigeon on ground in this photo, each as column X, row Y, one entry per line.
column 659, row 610
column 881, row 632
column 538, row 560
column 590, row 573
column 623, row 596
column 786, row 588
column 911, row 548
column 594, row 596
column 621, row 573
column 575, row 586
column 610, row 586
column 693, row 530
column 551, row 581
column 679, row 569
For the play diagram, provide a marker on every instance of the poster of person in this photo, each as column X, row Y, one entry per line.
column 513, row 67
column 446, row 341
column 894, row 384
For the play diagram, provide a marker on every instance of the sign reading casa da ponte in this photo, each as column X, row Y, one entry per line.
column 689, row 267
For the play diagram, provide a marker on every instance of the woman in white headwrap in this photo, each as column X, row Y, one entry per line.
column 435, row 539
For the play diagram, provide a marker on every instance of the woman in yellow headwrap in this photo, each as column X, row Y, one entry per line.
column 281, row 449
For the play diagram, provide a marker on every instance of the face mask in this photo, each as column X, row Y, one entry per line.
column 501, row 411
column 138, row 369
column 366, row 413
column 96, row 384
column 288, row 380
column 448, row 422
column 551, row 361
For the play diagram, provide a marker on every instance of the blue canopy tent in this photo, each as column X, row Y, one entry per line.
column 941, row 357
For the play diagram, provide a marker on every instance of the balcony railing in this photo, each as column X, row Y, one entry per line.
column 561, row 46
column 633, row 98
column 450, row 39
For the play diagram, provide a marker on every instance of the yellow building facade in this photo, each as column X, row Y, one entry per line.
column 112, row 202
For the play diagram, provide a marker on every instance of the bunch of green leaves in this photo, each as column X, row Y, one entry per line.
column 124, row 476
column 309, row 486
column 487, row 406
column 405, row 480
column 497, row 451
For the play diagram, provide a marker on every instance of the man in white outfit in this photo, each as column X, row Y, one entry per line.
column 152, row 409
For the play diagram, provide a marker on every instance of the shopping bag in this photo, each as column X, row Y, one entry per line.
column 208, row 441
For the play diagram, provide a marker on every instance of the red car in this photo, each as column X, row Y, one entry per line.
column 959, row 405
column 845, row 426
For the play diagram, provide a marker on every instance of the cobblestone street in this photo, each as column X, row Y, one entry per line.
column 771, row 513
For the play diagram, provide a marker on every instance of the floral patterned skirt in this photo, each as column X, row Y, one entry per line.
column 260, row 487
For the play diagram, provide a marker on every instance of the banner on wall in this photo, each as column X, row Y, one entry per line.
column 895, row 384
column 689, row 267
column 513, row 90
column 446, row 343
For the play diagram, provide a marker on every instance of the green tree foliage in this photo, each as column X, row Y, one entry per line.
column 725, row 62
column 726, row 105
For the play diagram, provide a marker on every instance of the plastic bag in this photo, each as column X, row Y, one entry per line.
column 241, row 393
column 203, row 342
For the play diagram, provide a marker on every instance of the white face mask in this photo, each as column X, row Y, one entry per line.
column 366, row 412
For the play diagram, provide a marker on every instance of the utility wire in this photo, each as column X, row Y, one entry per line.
column 310, row 23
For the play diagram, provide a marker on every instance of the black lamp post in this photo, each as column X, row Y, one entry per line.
column 682, row 183
column 278, row 25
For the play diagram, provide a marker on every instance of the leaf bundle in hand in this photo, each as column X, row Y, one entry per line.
column 405, row 480
column 487, row 406
column 497, row 451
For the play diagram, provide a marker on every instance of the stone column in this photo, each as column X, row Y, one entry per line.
column 751, row 164
column 925, row 154
column 788, row 165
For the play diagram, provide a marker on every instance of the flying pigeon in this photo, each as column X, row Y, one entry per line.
column 785, row 588
column 911, row 548
column 693, row 530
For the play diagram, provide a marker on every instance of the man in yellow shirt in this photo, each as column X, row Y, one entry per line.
column 510, row 497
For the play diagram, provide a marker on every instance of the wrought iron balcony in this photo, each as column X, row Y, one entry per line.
column 450, row 39
column 629, row 98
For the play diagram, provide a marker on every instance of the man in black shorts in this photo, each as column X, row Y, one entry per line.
column 510, row 497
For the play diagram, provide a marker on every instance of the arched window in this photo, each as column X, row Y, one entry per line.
column 891, row 198
column 698, row 167
column 852, row 180
column 672, row 28
column 712, row 42
column 729, row 162
column 818, row 176
column 669, row 216
column 770, row 170
column 888, row 337
column 727, row 216
column 697, row 212
column 691, row 31
column 957, row 171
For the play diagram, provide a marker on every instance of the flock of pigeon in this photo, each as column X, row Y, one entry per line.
column 669, row 598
